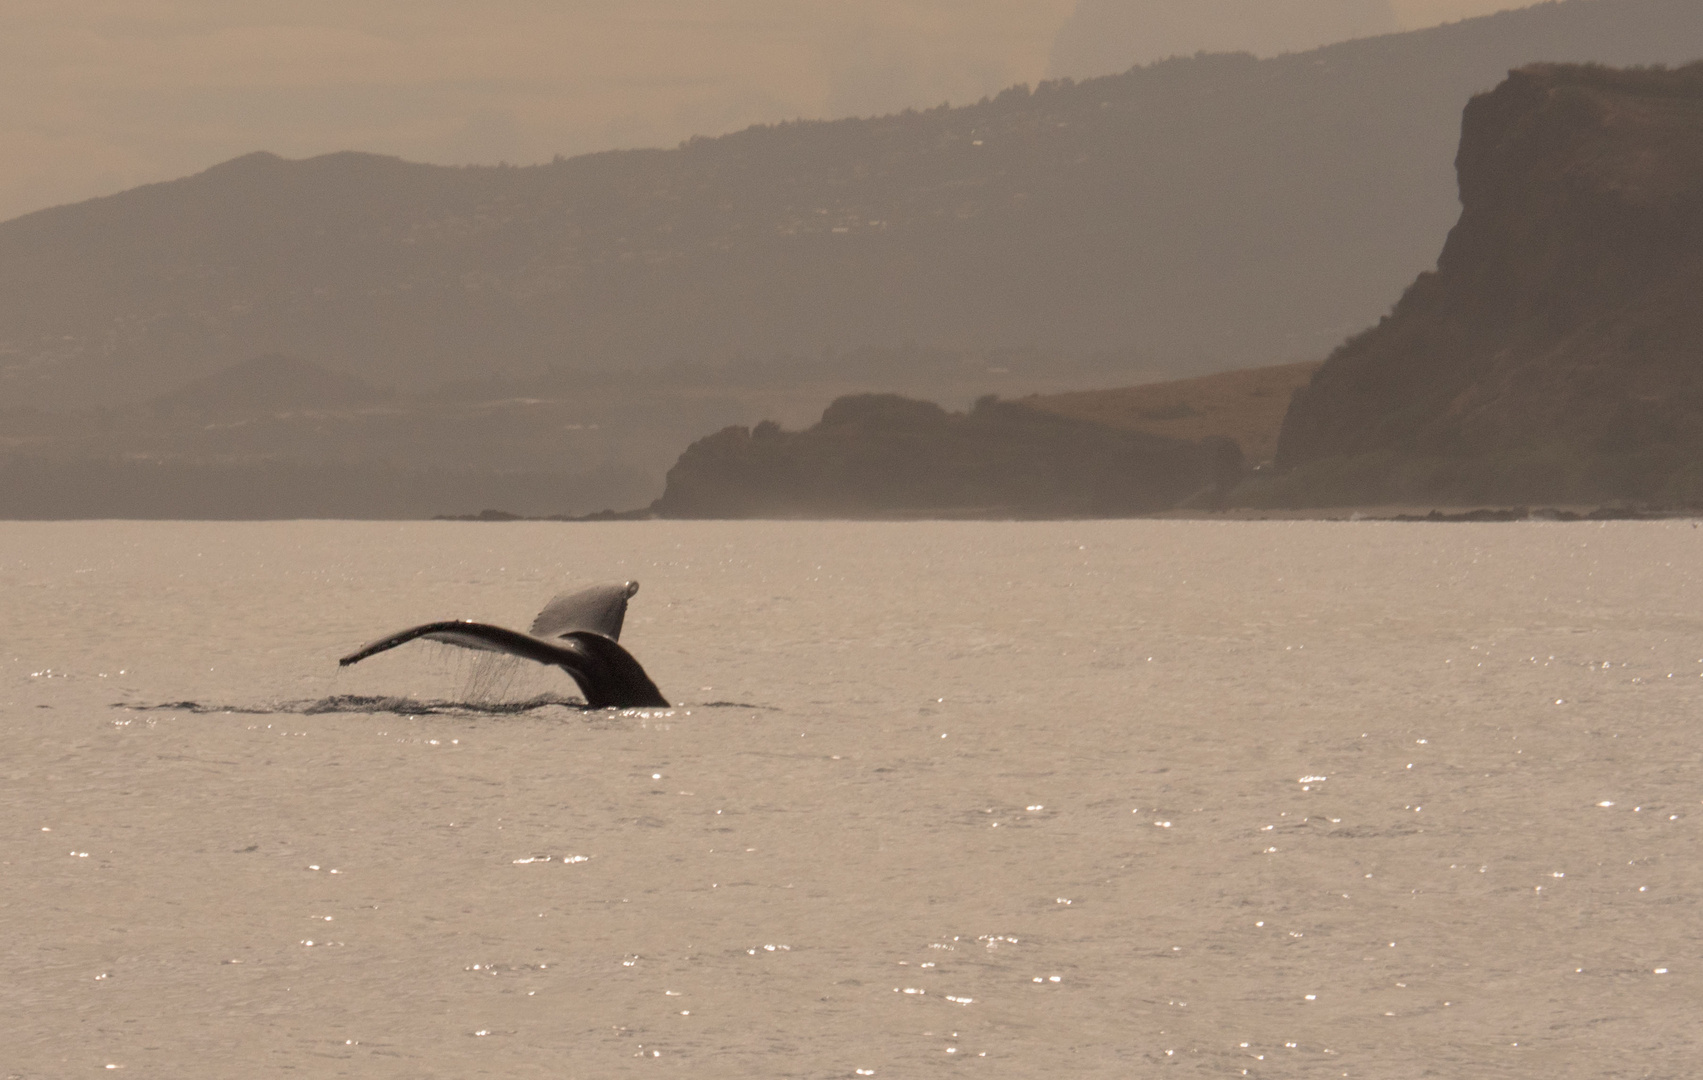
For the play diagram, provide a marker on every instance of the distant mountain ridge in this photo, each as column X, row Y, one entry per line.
column 1106, row 36
column 269, row 384
column 1203, row 213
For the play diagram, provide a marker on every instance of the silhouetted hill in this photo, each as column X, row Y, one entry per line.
column 1204, row 213
column 882, row 455
column 269, row 384
column 1246, row 406
column 1556, row 354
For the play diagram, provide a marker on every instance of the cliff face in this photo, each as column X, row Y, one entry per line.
column 881, row 455
column 1557, row 350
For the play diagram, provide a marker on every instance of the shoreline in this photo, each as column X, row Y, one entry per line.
column 1397, row 513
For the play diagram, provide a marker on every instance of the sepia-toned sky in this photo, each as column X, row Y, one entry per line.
column 100, row 95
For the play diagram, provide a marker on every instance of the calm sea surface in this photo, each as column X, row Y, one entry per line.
column 1103, row 799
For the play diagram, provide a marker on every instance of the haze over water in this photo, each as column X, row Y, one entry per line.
column 1087, row 798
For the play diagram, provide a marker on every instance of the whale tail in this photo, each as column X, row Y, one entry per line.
column 576, row 632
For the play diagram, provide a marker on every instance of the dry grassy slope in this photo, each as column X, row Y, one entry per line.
column 1247, row 406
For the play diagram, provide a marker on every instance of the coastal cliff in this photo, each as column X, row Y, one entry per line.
column 1556, row 353
column 882, row 455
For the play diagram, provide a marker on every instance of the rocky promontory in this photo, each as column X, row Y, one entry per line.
column 882, row 455
column 1556, row 353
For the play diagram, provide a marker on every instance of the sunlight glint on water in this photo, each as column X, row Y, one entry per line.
column 1297, row 798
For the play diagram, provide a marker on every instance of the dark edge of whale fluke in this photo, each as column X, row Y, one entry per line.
column 607, row 674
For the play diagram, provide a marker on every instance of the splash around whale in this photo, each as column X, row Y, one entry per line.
column 578, row 632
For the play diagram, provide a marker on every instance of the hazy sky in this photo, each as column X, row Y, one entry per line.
column 100, row 95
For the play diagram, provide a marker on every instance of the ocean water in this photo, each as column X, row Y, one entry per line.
column 1215, row 799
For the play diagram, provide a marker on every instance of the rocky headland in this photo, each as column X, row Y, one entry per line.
column 1554, row 357
column 882, row 455
column 1556, row 352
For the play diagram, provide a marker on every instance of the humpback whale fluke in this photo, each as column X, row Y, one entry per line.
column 576, row 632
column 600, row 609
